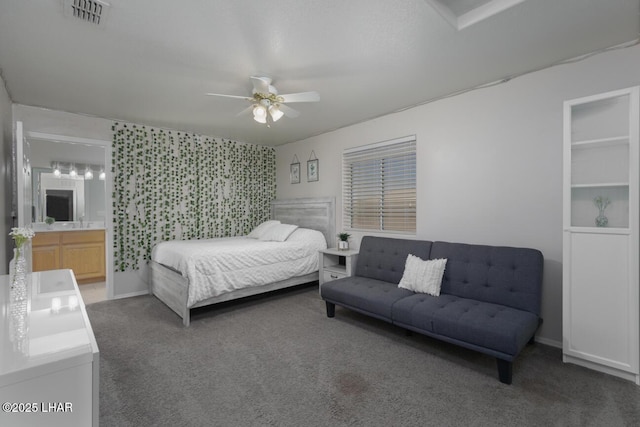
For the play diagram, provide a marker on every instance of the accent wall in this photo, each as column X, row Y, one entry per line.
column 174, row 185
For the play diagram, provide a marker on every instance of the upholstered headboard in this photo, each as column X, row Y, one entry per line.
column 317, row 213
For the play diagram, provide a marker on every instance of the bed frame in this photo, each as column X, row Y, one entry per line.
column 316, row 213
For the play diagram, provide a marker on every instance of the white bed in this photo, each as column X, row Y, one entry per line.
column 190, row 274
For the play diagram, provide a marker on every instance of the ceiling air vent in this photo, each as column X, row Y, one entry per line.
column 91, row 11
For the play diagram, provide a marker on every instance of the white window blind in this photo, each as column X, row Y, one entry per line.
column 379, row 186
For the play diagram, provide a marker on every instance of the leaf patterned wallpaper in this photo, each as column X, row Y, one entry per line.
column 176, row 185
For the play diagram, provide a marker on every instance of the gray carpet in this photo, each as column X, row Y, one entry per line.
column 279, row 361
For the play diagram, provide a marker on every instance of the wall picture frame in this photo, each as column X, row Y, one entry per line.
column 294, row 173
column 312, row 170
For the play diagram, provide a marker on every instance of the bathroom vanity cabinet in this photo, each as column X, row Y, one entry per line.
column 79, row 250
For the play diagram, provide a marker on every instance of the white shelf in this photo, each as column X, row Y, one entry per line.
column 600, row 142
column 599, row 230
column 601, row 185
column 337, row 268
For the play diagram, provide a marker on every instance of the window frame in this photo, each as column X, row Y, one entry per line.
column 395, row 158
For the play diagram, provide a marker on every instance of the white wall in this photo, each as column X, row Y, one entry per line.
column 62, row 123
column 489, row 162
column 6, row 137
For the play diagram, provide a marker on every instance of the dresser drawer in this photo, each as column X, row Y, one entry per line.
column 332, row 275
column 83, row 236
column 46, row 239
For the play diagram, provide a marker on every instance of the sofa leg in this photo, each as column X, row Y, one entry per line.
column 331, row 309
column 505, row 371
column 533, row 338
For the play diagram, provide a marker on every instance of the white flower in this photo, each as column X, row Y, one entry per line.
column 21, row 235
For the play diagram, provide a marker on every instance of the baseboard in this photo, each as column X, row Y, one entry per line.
column 130, row 294
column 547, row 341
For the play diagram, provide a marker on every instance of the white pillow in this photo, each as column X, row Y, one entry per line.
column 278, row 233
column 305, row 235
column 262, row 228
column 423, row 276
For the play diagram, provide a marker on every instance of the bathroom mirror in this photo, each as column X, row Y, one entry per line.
column 61, row 196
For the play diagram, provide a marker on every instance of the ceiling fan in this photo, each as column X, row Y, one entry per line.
column 266, row 102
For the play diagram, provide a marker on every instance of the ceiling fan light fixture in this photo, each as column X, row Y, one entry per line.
column 260, row 114
column 259, row 111
column 275, row 112
column 267, row 106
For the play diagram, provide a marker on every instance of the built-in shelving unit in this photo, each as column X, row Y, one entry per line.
column 600, row 257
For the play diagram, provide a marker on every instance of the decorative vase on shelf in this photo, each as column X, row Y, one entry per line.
column 601, row 203
column 18, row 275
column 602, row 220
column 18, row 266
column 343, row 241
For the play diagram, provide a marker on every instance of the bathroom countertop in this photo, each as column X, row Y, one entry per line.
column 38, row 228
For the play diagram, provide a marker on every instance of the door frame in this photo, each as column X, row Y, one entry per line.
column 108, row 182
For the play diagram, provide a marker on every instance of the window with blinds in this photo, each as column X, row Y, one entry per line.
column 379, row 186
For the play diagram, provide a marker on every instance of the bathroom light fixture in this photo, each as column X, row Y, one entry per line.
column 61, row 169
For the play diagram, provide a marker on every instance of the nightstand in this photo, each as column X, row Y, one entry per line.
column 336, row 264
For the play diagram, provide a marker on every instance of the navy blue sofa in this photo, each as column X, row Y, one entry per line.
column 489, row 300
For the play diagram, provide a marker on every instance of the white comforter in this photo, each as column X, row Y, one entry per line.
column 217, row 266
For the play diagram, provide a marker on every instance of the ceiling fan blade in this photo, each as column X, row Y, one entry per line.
column 288, row 111
column 261, row 84
column 245, row 111
column 230, row 96
column 301, row 97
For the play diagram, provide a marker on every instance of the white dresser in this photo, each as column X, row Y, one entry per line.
column 49, row 359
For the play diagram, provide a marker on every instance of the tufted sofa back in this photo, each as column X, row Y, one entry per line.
column 500, row 275
column 383, row 258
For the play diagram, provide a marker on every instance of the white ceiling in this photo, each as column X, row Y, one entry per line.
column 151, row 61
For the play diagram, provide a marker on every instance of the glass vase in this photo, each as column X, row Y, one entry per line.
column 601, row 219
column 18, row 275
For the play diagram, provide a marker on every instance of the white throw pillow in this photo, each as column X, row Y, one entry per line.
column 262, row 228
column 278, row 233
column 423, row 276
